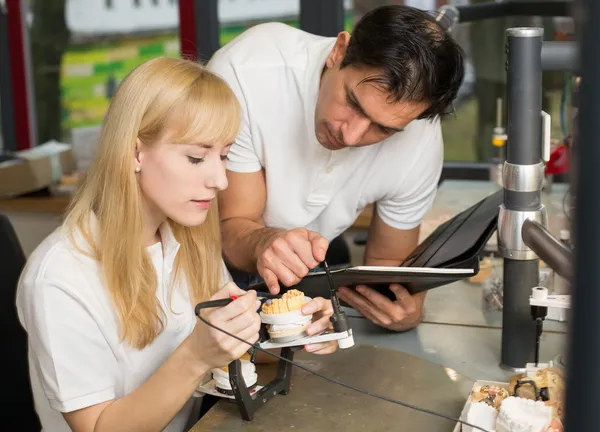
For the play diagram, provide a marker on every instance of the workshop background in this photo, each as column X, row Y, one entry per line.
column 74, row 53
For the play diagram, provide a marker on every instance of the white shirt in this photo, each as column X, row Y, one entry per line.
column 274, row 70
column 75, row 356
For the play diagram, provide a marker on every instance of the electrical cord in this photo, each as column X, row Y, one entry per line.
column 348, row 386
column 565, row 205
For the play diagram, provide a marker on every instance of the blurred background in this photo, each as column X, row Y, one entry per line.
column 81, row 49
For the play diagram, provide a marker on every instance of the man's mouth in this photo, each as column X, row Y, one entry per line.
column 334, row 142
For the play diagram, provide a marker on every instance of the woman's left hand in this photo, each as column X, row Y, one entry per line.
column 321, row 310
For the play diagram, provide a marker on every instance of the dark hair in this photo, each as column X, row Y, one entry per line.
column 420, row 62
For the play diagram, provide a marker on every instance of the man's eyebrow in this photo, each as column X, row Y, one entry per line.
column 353, row 100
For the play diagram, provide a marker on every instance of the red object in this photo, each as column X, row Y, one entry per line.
column 19, row 73
column 187, row 30
column 559, row 162
column 233, row 297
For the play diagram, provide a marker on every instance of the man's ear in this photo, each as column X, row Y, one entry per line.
column 339, row 50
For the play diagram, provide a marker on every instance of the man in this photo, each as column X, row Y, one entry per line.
column 331, row 125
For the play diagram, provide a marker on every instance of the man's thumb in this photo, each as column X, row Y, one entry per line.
column 319, row 245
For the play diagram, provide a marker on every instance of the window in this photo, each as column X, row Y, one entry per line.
column 136, row 3
column 108, row 4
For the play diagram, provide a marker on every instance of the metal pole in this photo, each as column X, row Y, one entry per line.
column 523, row 175
column 7, row 125
column 322, row 17
column 583, row 378
column 206, row 13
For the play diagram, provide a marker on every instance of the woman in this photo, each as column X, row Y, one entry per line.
column 108, row 300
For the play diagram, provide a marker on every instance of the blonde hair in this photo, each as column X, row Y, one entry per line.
column 162, row 96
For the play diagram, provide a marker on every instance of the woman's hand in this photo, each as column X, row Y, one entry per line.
column 322, row 310
column 214, row 348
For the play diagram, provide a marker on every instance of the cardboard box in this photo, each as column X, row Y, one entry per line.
column 35, row 169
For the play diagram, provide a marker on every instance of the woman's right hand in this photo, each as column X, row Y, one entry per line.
column 215, row 349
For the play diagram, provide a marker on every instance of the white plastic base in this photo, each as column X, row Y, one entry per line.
column 531, row 368
column 343, row 338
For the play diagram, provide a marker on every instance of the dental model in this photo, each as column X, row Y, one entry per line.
column 221, row 376
column 284, row 317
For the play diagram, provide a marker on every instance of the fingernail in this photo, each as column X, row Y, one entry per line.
column 307, row 310
column 360, row 289
column 309, row 348
column 257, row 304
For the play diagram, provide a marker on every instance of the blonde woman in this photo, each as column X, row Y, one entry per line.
column 108, row 299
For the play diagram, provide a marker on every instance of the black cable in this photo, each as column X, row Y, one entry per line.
column 564, row 204
column 359, row 390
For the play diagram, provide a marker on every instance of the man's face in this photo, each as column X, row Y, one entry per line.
column 351, row 113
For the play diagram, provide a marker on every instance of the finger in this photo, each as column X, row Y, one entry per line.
column 322, row 347
column 319, row 325
column 302, row 247
column 392, row 309
column 239, row 306
column 228, row 290
column 270, row 280
column 285, row 254
column 404, row 298
column 241, row 322
column 365, row 307
column 319, row 245
column 247, row 334
column 317, row 304
column 272, row 261
column 243, row 347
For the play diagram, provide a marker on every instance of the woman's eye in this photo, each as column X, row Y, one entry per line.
column 194, row 160
column 224, row 157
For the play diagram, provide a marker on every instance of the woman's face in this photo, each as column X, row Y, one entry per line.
column 181, row 181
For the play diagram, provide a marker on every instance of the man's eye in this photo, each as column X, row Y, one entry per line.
column 194, row 160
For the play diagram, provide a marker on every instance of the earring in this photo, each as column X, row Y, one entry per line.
column 137, row 169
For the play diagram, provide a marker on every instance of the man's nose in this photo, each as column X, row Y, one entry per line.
column 355, row 130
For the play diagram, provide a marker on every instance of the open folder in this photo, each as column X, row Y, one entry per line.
column 449, row 254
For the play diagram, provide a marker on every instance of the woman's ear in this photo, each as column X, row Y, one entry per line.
column 339, row 50
column 137, row 157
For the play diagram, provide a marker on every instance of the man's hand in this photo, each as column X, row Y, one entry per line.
column 287, row 256
column 403, row 314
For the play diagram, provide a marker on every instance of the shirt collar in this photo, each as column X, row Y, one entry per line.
column 170, row 245
column 317, row 56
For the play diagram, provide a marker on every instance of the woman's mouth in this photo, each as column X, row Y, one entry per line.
column 202, row 204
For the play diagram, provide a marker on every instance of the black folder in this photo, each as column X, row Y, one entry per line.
column 448, row 254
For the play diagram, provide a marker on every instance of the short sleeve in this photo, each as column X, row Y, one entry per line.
column 242, row 155
column 75, row 363
column 405, row 208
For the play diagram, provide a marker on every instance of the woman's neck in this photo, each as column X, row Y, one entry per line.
column 153, row 219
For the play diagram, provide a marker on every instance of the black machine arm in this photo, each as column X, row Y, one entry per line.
column 551, row 250
column 448, row 16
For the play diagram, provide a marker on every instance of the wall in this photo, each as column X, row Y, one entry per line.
column 100, row 17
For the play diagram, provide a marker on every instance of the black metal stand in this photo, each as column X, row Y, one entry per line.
column 248, row 404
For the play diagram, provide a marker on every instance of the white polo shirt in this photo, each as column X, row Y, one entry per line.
column 274, row 70
column 75, row 356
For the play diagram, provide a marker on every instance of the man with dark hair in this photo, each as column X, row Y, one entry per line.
column 329, row 126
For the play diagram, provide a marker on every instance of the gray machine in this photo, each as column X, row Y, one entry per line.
column 523, row 236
